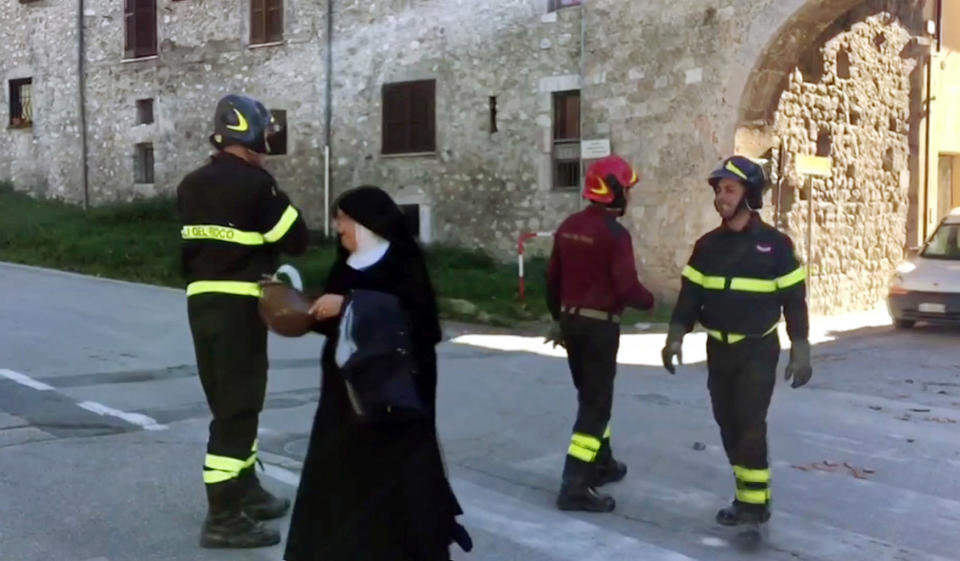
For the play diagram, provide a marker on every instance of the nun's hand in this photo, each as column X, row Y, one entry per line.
column 326, row 307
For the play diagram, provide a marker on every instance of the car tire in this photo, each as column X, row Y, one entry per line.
column 904, row 323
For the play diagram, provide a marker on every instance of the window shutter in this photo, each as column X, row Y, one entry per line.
column 258, row 32
column 396, row 119
column 130, row 28
column 422, row 117
column 146, row 28
column 274, row 20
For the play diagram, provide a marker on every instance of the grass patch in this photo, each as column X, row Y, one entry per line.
column 140, row 242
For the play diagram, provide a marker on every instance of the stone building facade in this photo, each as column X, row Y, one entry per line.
column 672, row 85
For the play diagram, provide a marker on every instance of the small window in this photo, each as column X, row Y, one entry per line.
column 566, row 139
column 144, row 111
column 277, row 142
column 140, row 21
column 493, row 114
column 409, row 122
column 21, row 103
column 554, row 5
column 411, row 214
column 266, row 21
column 143, row 163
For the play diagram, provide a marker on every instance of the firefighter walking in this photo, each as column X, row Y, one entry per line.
column 591, row 278
column 235, row 222
column 739, row 279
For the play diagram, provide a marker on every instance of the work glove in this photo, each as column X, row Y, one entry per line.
column 799, row 367
column 673, row 348
column 555, row 336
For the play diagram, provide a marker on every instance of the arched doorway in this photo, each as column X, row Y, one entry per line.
column 845, row 88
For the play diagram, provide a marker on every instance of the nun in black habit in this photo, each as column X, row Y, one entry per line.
column 375, row 490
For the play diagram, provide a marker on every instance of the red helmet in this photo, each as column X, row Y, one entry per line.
column 608, row 179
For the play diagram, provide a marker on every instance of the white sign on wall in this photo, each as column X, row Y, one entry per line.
column 593, row 149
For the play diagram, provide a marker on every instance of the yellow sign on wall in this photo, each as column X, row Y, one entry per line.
column 820, row 166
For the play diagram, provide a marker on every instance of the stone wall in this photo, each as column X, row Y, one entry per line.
column 39, row 42
column 854, row 106
column 675, row 85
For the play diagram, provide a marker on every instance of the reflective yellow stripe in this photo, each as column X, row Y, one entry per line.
column 584, row 447
column 736, row 170
column 753, row 285
column 607, row 433
column 254, row 447
column 696, row 277
column 693, row 275
column 250, row 461
column 736, row 337
column 582, row 454
column 751, row 496
column 790, row 279
column 221, row 233
column 283, row 225
column 223, row 463
column 586, row 441
column 211, row 477
column 752, row 475
column 239, row 288
column 714, row 283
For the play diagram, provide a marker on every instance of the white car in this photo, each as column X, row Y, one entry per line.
column 926, row 287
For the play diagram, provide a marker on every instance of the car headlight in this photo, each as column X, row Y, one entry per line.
column 905, row 268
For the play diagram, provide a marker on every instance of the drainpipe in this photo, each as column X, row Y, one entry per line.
column 82, row 86
column 583, row 43
column 929, row 103
column 328, row 116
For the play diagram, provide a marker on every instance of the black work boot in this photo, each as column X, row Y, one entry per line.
column 610, row 471
column 257, row 502
column 577, row 495
column 227, row 526
column 737, row 514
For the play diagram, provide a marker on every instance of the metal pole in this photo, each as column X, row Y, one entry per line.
column 82, row 99
column 326, row 191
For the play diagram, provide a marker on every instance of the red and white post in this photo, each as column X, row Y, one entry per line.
column 521, row 241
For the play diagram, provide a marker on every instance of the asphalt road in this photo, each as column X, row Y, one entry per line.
column 103, row 425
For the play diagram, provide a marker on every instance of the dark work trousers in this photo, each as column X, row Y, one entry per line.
column 741, row 380
column 230, row 341
column 592, row 347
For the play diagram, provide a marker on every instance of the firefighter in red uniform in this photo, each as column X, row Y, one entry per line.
column 591, row 278
column 738, row 280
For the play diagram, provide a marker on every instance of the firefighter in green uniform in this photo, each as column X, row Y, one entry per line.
column 738, row 280
column 235, row 223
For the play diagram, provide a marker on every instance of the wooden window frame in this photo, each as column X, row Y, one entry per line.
column 566, row 164
column 21, row 114
column 266, row 22
column 409, row 120
column 140, row 29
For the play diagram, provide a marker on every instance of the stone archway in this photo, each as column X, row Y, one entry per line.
column 840, row 80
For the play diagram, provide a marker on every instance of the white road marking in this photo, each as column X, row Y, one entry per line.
column 25, row 380
column 281, row 474
column 143, row 421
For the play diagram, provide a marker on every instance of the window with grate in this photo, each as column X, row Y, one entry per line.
column 143, row 163
column 409, row 117
column 21, row 103
column 144, row 111
column 566, row 139
column 140, row 24
column 278, row 141
column 554, row 5
column 266, row 21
